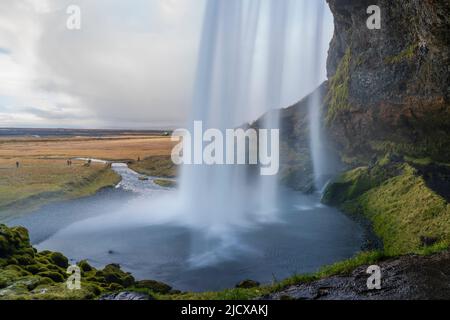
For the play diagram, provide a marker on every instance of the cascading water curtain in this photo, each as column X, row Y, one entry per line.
column 254, row 56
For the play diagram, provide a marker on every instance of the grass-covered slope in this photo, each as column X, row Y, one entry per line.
column 40, row 181
column 405, row 212
column 155, row 166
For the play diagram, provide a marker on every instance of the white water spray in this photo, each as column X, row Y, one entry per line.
column 250, row 54
column 255, row 56
column 318, row 154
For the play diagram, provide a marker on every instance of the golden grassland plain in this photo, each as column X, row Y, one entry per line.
column 43, row 174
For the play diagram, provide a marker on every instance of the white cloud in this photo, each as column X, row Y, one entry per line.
column 131, row 64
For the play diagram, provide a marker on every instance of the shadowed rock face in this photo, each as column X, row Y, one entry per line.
column 296, row 168
column 389, row 88
column 405, row 278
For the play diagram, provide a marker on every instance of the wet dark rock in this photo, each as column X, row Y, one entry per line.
column 409, row 278
column 428, row 241
column 296, row 169
column 247, row 284
column 437, row 178
column 127, row 295
column 396, row 80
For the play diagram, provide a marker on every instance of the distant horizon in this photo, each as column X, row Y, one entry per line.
column 90, row 129
column 129, row 65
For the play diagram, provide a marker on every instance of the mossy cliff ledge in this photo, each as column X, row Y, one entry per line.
column 387, row 112
column 26, row 273
column 398, row 197
column 389, row 88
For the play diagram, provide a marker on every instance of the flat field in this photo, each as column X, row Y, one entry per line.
column 43, row 174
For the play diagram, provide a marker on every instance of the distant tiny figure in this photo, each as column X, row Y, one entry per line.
column 17, row 164
column 139, row 159
column 69, row 163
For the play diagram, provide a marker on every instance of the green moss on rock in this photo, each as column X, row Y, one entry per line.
column 85, row 266
column 338, row 93
column 59, row 259
column 404, row 55
column 153, row 286
column 398, row 202
column 165, row 183
column 113, row 274
column 28, row 274
column 55, row 276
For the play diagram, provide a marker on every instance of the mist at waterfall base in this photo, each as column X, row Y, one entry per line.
column 247, row 54
column 222, row 225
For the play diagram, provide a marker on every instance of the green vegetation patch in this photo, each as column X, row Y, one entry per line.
column 44, row 276
column 406, row 54
column 28, row 274
column 340, row 268
column 156, row 166
column 165, row 183
column 29, row 187
column 406, row 214
column 338, row 93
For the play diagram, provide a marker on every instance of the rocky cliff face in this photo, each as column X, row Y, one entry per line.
column 405, row 278
column 296, row 168
column 387, row 110
column 387, row 92
column 389, row 88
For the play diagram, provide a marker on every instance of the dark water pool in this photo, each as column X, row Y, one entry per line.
column 306, row 236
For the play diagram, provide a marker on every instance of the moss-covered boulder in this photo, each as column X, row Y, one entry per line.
column 14, row 241
column 59, row 259
column 248, row 284
column 154, row 286
column 85, row 266
column 55, row 276
column 112, row 274
column 28, row 274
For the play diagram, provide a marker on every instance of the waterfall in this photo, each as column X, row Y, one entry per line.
column 255, row 56
column 318, row 153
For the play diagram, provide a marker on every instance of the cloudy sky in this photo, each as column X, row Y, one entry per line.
column 131, row 65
